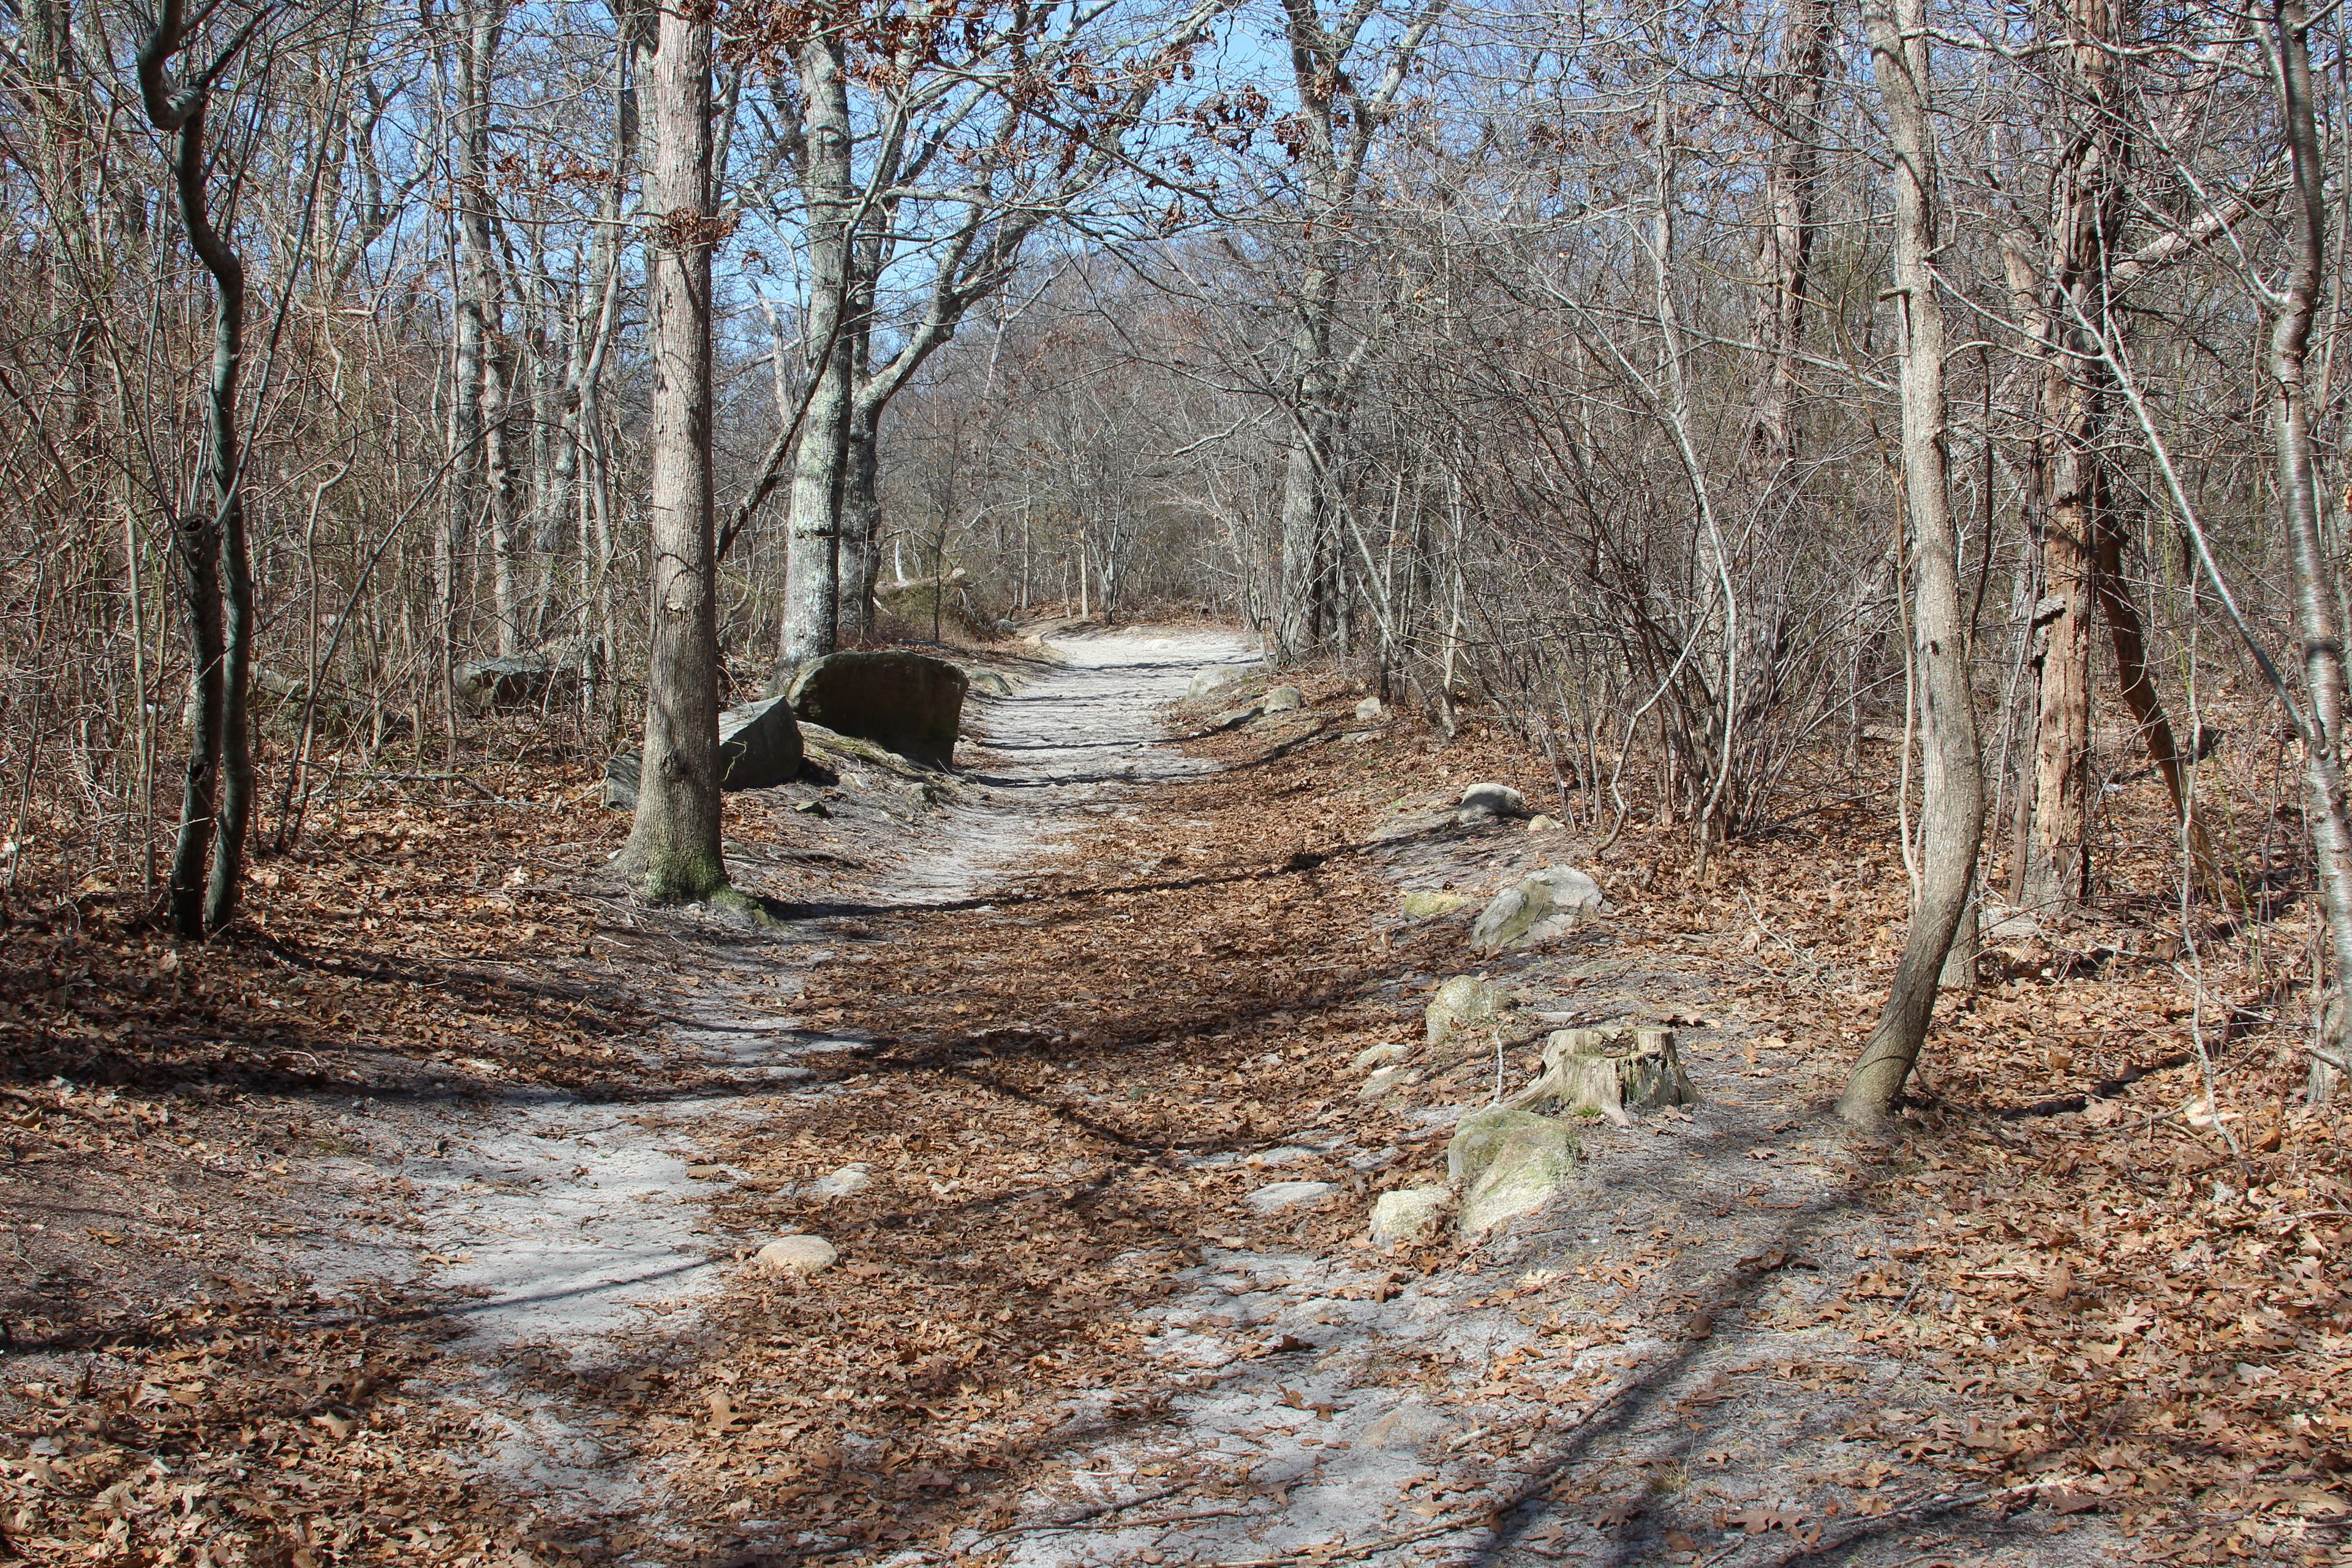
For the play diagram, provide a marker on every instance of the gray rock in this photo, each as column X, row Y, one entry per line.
column 798, row 1255
column 1463, row 1005
column 1431, row 903
column 1283, row 699
column 1235, row 718
column 908, row 702
column 1478, row 1139
column 1530, row 1168
column 1213, row 678
column 1383, row 1081
column 758, row 745
column 1289, row 1195
column 1407, row 1215
column 988, row 680
column 1369, row 710
column 1536, row 907
column 621, row 776
column 1493, row 800
column 1380, row 1055
column 843, row 1182
column 1539, row 822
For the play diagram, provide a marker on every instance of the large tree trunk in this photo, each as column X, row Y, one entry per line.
column 2086, row 212
column 673, row 851
column 2318, row 616
column 1952, row 817
column 813, row 560
column 1787, row 247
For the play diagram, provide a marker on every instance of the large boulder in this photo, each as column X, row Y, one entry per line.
column 1478, row 1139
column 909, row 702
column 1213, row 678
column 1536, row 907
column 1531, row 1165
column 758, row 746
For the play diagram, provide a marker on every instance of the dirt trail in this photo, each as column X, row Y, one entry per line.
column 1071, row 1328
column 575, row 1232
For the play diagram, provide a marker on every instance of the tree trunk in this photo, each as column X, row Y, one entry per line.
column 1952, row 817
column 673, row 851
column 813, row 563
column 197, row 541
column 220, row 593
column 2086, row 211
column 1787, row 247
column 861, row 525
column 2318, row 616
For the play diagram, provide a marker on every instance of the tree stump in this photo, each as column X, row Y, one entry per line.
column 1610, row 1072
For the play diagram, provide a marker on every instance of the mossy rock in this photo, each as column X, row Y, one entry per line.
column 1432, row 903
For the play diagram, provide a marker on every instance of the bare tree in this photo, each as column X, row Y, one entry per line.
column 673, row 851
column 1952, row 817
column 217, row 807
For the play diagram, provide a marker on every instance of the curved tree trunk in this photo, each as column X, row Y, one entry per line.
column 217, row 804
column 1952, row 818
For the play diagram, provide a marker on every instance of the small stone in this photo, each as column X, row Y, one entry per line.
column 849, row 1179
column 1289, row 1195
column 1464, row 1002
column 1283, row 699
column 1369, row 710
column 1494, row 800
column 988, row 680
column 1383, row 1081
column 1428, row 903
column 1288, row 1155
column 1408, row 1215
column 800, row 1255
column 1378, row 1055
column 1539, row 822
column 812, row 808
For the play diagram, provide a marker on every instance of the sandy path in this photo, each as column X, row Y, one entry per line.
column 572, row 1230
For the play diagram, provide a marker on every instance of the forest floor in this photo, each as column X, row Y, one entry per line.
column 417, row 1225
